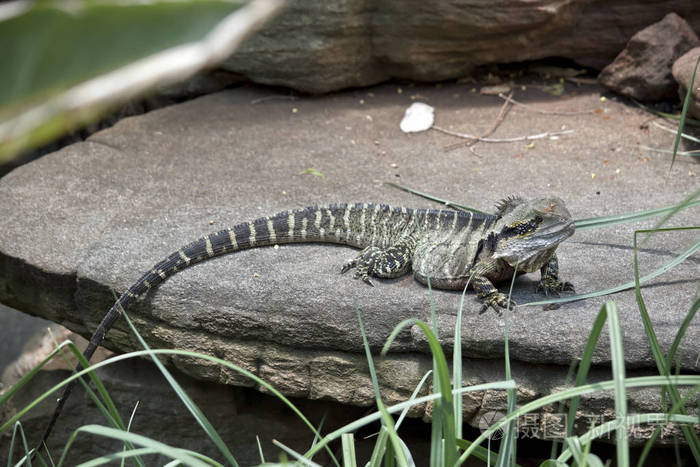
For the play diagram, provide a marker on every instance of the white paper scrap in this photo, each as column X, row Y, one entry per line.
column 418, row 117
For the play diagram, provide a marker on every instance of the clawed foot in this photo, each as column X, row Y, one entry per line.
column 553, row 286
column 363, row 264
column 497, row 301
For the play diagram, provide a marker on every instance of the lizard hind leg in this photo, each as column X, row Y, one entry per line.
column 385, row 263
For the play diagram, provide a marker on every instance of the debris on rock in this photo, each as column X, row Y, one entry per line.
column 643, row 69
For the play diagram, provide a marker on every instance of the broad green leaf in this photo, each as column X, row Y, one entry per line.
column 66, row 63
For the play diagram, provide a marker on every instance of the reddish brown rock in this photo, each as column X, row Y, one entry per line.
column 682, row 72
column 643, row 70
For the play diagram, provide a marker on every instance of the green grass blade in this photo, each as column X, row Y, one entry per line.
column 596, row 222
column 299, row 457
column 648, row 446
column 695, row 153
column 123, row 455
column 642, row 381
column 414, row 394
column 104, row 403
column 637, row 419
column 592, row 460
column 573, row 445
column 581, row 224
column 347, row 442
column 198, row 415
column 457, row 361
column 681, row 332
column 479, row 452
column 667, row 115
column 371, row 418
column 389, row 458
column 139, row 440
column 260, row 450
column 684, row 112
column 108, row 409
column 379, row 448
column 386, row 418
column 436, row 436
column 396, row 444
column 573, row 366
column 208, row 358
column 691, row 435
column 506, row 454
column 436, row 444
column 128, row 427
column 136, row 453
column 368, row 354
column 629, row 285
column 445, row 407
column 498, row 385
column 678, row 406
column 317, row 435
column 617, row 357
column 587, row 456
column 675, row 132
column 585, row 364
column 444, row 202
column 27, row 451
column 687, row 202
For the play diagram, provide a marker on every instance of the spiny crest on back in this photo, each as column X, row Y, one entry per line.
column 507, row 204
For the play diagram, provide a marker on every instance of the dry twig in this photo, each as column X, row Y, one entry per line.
column 499, row 118
column 546, row 134
column 549, row 112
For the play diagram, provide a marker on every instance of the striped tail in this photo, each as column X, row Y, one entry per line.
column 357, row 225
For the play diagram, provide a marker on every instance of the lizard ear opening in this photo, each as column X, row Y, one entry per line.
column 507, row 204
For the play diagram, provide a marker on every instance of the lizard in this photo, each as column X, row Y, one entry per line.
column 446, row 248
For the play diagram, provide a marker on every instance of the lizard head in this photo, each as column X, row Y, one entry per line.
column 526, row 228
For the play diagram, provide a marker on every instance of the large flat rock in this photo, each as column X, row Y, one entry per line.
column 92, row 217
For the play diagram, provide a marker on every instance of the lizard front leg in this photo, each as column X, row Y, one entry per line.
column 385, row 263
column 485, row 290
column 550, row 283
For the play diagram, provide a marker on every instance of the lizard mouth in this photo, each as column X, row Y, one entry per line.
column 546, row 238
column 562, row 229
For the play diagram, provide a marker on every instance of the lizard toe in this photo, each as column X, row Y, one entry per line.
column 550, row 286
column 348, row 266
column 497, row 301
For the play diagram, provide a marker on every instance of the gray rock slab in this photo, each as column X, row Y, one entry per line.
column 318, row 46
column 92, row 217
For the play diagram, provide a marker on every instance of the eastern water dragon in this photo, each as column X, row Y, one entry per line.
column 448, row 248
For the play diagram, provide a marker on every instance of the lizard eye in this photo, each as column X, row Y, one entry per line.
column 538, row 219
